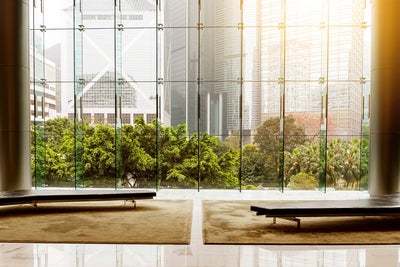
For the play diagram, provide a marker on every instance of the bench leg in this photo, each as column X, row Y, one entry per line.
column 133, row 201
column 293, row 219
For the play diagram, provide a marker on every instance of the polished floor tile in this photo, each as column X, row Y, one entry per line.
column 199, row 255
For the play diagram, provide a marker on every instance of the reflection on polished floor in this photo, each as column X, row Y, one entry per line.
column 196, row 253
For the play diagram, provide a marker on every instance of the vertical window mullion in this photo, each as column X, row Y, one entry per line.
column 158, row 28
column 199, row 79
column 241, row 28
column 118, row 84
column 79, row 82
column 282, row 82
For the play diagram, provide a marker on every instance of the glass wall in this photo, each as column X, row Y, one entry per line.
column 234, row 94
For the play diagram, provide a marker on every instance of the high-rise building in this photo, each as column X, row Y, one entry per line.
column 107, row 61
column 180, row 56
column 43, row 93
column 317, row 61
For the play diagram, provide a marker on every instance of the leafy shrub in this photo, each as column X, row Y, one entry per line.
column 303, row 181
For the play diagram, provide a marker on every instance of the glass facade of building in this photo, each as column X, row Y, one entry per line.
column 233, row 94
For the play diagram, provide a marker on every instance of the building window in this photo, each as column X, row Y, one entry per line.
column 267, row 79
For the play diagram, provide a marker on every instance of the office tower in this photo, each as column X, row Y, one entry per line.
column 312, row 54
column 43, row 92
column 108, row 60
column 180, row 56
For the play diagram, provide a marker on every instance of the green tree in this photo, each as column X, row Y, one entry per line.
column 303, row 159
column 217, row 164
column 60, row 153
column 185, row 172
column 351, row 170
column 146, row 134
column 99, row 153
column 172, row 143
column 267, row 134
column 303, row 181
column 364, row 157
column 53, row 152
column 267, row 138
column 343, row 163
column 253, row 166
column 38, row 154
column 138, row 165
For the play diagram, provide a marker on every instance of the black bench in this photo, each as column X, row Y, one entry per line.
column 386, row 205
column 39, row 196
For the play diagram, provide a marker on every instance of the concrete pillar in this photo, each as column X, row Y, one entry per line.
column 15, row 155
column 384, row 169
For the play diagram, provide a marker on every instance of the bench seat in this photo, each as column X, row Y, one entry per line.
column 386, row 205
column 38, row 196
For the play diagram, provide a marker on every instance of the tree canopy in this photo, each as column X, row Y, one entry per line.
column 144, row 154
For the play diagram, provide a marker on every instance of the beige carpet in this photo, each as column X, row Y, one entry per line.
column 232, row 222
column 152, row 222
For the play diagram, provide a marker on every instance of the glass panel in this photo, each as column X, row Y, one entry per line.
column 59, row 138
column 181, row 14
column 252, row 13
column 344, row 132
column 138, row 144
column 96, row 94
column 39, row 151
column 219, row 135
column 219, row 104
column 138, row 93
column 178, row 157
column 345, row 53
column 220, row 14
column 344, row 12
column 183, row 101
column 62, row 53
column 260, row 160
column 138, row 56
column 303, row 105
column 366, row 84
column 78, row 92
column 267, row 136
column 180, row 54
column 254, row 171
column 119, row 84
column 97, row 14
column 271, row 12
column 221, row 73
column 138, row 14
column 38, row 19
column 323, row 171
column 159, row 89
column 212, row 84
column 52, row 55
column 305, row 13
column 367, row 52
column 304, row 54
column 220, row 55
column 98, row 54
column 252, row 76
column 38, row 103
column 364, row 157
column 58, row 14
